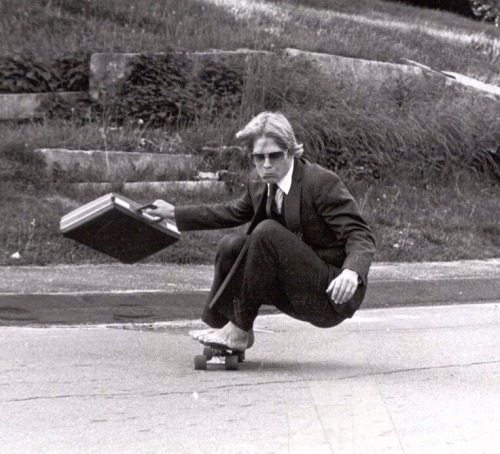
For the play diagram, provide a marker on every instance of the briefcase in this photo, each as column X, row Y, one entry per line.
column 118, row 227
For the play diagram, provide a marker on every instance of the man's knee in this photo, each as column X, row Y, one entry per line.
column 231, row 244
column 329, row 322
column 267, row 229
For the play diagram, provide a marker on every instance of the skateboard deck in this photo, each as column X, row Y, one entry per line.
column 215, row 354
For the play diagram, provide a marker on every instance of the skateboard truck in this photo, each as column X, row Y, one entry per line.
column 231, row 357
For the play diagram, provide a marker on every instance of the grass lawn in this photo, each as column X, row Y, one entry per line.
column 418, row 159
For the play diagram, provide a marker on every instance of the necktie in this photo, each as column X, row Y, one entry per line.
column 270, row 198
column 279, row 200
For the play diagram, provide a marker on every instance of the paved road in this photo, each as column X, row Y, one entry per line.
column 412, row 380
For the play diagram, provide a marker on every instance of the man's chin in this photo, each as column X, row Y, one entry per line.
column 269, row 178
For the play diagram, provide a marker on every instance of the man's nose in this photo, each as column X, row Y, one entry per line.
column 267, row 161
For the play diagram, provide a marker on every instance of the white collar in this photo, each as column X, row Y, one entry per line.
column 286, row 182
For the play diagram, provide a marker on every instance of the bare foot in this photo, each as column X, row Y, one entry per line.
column 231, row 336
column 198, row 334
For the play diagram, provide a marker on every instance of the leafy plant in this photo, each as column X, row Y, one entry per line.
column 487, row 10
column 25, row 73
column 167, row 90
column 74, row 71
column 22, row 74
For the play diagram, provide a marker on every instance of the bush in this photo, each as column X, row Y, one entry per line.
column 21, row 74
column 169, row 90
column 22, row 168
column 26, row 74
column 462, row 7
column 487, row 10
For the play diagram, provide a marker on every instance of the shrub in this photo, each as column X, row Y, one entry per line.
column 26, row 74
column 169, row 90
column 462, row 7
column 487, row 10
column 22, row 168
column 22, row 74
column 74, row 71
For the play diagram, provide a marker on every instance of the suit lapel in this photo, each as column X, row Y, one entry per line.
column 292, row 200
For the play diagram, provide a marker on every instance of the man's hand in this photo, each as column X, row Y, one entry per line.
column 163, row 210
column 342, row 288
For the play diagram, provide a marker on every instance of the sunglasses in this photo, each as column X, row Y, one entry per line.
column 274, row 156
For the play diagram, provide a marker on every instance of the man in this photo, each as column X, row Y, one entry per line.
column 307, row 250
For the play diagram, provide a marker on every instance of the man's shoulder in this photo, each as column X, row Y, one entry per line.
column 317, row 173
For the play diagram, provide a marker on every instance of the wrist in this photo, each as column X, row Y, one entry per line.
column 354, row 274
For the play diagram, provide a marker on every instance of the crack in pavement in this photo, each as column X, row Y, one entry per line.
column 253, row 384
column 348, row 377
column 105, row 396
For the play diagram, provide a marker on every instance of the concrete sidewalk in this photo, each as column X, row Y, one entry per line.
column 148, row 293
column 401, row 380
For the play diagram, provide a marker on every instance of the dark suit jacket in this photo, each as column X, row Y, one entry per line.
column 318, row 208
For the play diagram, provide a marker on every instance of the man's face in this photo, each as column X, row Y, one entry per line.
column 271, row 161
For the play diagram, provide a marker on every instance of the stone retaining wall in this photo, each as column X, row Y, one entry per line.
column 155, row 189
column 95, row 165
column 109, row 71
column 28, row 106
column 355, row 71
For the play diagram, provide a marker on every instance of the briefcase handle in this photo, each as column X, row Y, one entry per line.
column 151, row 217
column 148, row 205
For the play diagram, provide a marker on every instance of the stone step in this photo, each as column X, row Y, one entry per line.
column 27, row 106
column 108, row 166
column 154, row 189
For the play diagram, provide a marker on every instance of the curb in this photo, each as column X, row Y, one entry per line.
column 156, row 306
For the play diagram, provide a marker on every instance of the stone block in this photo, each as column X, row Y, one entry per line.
column 108, row 72
column 489, row 90
column 155, row 189
column 456, row 80
column 26, row 106
column 93, row 165
column 354, row 71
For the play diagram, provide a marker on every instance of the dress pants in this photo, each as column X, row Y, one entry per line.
column 278, row 269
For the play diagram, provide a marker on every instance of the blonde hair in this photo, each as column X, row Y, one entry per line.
column 275, row 126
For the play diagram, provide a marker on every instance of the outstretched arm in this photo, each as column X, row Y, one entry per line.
column 201, row 217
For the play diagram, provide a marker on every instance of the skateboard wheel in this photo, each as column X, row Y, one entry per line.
column 208, row 352
column 200, row 362
column 241, row 357
column 231, row 362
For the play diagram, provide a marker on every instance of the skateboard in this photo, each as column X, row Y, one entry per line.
column 218, row 354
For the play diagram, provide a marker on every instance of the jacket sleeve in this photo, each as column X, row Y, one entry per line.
column 216, row 216
column 340, row 211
